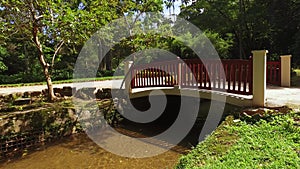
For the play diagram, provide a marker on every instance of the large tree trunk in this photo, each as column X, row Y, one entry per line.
column 36, row 40
column 108, row 61
column 103, row 64
column 45, row 65
column 51, row 95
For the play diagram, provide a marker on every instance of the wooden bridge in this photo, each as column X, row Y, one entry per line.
column 241, row 82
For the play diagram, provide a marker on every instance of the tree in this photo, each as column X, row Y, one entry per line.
column 19, row 58
column 254, row 24
column 50, row 24
column 132, row 12
column 222, row 17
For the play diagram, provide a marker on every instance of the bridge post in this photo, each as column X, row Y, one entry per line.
column 285, row 70
column 259, row 77
column 127, row 75
column 179, row 73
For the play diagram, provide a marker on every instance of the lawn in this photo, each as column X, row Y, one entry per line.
column 273, row 142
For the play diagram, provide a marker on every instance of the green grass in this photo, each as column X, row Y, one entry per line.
column 265, row 144
column 63, row 81
column 295, row 80
column 297, row 71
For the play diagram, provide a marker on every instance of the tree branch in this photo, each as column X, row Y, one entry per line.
column 58, row 47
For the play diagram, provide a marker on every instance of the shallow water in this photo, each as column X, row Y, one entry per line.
column 79, row 151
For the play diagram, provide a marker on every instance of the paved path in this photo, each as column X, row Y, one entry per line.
column 97, row 84
column 276, row 96
column 280, row 96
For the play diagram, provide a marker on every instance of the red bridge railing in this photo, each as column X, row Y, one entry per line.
column 233, row 76
column 274, row 72
column 157, row 74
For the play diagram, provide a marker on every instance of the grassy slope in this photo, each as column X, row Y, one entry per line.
column 273, row 144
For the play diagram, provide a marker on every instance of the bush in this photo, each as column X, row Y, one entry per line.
column 20, row 78
column 104, row 73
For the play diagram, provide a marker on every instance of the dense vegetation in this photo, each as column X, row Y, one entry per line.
column 273, row 142
column 251, row 24
column 40, row 40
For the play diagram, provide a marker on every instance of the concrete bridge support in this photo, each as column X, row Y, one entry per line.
column 259, row 77
column 127, row 75
column 286, row 70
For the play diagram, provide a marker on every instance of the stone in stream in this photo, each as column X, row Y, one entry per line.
column 67, row 91
column 104, row 93
column 26, row 94
column 85, row 93
column 57, row 92
column 22, row 101
column 99, row 94
column 35, row 94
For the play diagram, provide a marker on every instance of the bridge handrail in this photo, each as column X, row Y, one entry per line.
column 238, row 75
column 155, row 74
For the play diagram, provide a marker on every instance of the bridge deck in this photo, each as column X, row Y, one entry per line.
column 234, row 99
column 275, row 96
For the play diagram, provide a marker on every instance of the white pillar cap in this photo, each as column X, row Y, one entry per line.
column 260, row 51
column 286, row 56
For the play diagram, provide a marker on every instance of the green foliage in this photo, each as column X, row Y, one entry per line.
column 296, row 49
column 235, row 27
column 62, row 29
column 265, row 144
column 255, row 24
column 222, row 45
column 3, row 54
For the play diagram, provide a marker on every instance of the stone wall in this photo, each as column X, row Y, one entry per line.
column 92, row 92
column 37, row 124
column 47, row 119
column 22, row 130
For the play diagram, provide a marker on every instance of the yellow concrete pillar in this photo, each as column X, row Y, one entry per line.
column 259, row 77
column 285, row 70
column 127, row 75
